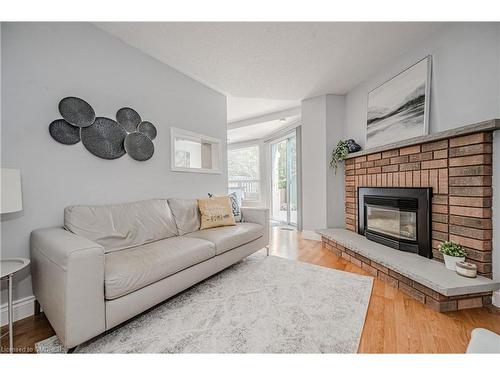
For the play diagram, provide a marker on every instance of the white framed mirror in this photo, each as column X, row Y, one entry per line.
column 193, row 152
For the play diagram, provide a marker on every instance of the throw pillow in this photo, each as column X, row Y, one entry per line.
column 235, row 205
column 215, row 212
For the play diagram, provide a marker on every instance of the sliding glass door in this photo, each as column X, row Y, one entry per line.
column 284, row 180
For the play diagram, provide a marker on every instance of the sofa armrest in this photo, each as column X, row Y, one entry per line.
column 257, row 215
column 68, row 282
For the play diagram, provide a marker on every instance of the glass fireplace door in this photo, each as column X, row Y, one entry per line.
column 392, row 222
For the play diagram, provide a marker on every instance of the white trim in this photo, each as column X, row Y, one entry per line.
column 310, row 235
column 243, row 144
column 22, row 308
column 295, row 111
column 283, row 133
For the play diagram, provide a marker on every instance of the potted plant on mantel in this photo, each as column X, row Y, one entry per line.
column 340, row 152
column 452, row 253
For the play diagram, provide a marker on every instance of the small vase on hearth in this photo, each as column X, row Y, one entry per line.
column 451, row 262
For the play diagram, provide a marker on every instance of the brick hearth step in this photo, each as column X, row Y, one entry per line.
column 426, row 280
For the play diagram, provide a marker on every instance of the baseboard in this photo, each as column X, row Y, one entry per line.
column 311, row 235
column 22, row 308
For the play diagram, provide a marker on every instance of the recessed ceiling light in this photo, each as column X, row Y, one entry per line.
column 282, row 120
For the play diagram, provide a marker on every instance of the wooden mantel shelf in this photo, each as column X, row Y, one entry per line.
column 489, row 125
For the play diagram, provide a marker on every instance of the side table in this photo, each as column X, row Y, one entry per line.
column 8, row 267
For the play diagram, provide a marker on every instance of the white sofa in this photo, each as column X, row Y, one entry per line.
column 110, row 263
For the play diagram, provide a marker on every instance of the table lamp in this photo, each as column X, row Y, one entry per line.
column 12, row 199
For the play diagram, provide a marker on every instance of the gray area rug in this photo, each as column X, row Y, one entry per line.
column 259, row 305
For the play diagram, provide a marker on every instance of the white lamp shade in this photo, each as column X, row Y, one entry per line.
column 12, row 199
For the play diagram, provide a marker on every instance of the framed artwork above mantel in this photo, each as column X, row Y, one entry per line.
column 399, row 108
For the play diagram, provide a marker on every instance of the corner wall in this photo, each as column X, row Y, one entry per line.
column 322, row 189
column 313, row 166
column 44, row 62
column 335, row 185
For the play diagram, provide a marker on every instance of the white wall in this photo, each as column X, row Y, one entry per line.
column 44, row 62
column 496, row 208
column 313, row 165
column 335, row 131
column 496, row 187
column 464, row 86
column 322, row 189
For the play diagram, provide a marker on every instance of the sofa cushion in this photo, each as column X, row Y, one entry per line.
column 186, row 214
column 129, row 270
column 121, row 226
column 228, row 238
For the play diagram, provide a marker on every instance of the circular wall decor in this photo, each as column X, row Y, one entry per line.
column 77, row 111
column 104, row 138
column 63, row 132
column 139, row 146
column 147, row 128
column 128, row 118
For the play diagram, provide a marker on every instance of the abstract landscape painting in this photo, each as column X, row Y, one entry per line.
column 398, row 109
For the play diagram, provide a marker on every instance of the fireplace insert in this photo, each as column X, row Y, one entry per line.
column 397, row 217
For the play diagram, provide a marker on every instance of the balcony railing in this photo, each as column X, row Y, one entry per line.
column 250, row 188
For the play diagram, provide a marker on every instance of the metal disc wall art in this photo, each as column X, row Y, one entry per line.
column 139, row 146
column 128, row 118
column 77, row 111
column 104, row 138
column 147, row 128
column 63, row 132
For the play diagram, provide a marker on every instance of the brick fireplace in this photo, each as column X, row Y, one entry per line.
column 459, row 170
column 457, row 166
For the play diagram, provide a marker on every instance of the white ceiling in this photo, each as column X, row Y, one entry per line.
column 268, row 67
column 273, row 60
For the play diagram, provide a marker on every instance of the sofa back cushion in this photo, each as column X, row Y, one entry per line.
column 121, row 226
column 186, row 214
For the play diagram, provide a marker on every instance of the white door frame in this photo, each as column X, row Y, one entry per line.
column 292, row 133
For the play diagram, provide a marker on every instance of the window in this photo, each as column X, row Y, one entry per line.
column 243, row 172
column 192, row 152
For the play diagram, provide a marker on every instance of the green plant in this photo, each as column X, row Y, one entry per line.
column 339, row 154
column 452, row 249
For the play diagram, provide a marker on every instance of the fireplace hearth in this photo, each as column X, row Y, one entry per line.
column 397, row 217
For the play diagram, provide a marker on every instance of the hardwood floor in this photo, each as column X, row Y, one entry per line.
column 395, row 323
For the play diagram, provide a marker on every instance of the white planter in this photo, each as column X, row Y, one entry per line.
column 451, row 262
